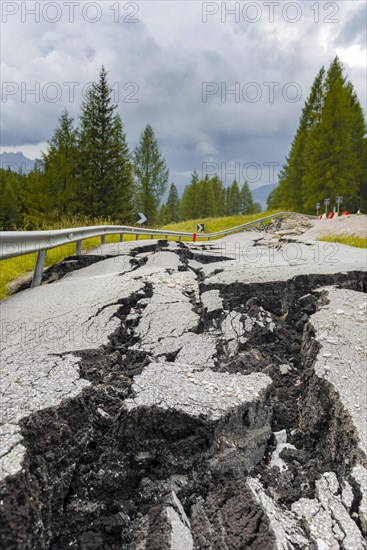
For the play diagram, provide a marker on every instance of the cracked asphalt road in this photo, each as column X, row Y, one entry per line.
column 184, row 337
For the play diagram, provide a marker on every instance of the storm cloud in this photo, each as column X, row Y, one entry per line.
column 222, row 84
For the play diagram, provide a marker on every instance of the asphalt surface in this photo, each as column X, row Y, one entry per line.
column 43, row 331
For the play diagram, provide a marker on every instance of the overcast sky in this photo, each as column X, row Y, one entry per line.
column 171, row 64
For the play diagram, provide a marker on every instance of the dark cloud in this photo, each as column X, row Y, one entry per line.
column 166, row 58
column 354, row 30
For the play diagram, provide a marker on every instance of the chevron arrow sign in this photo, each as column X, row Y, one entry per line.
column 141, row 218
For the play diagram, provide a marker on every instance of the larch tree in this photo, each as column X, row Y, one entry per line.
column 247, row 203
column 173, row 205
column 189, row 201
column 60, row 163
column 327, row 157
column 234, row 199
column 205, row 199
column 289, row 194
column 334, row 163
column 219, row 196
column 35, row 199
column 11, row 186
column 151, row 175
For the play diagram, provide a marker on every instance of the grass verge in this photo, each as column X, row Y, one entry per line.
column 351, row 240
column 216, row 224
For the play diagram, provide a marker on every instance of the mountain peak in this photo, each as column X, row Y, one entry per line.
column 17, row 162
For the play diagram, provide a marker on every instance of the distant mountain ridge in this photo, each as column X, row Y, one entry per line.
column 261, row 194
column 16, row 162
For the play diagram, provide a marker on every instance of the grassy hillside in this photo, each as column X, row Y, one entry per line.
column 216, row 224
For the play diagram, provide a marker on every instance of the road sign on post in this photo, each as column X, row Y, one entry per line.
column 141, row 218
column 200, row 227
column 326, row 203
column 339, row 201
column 317, row 208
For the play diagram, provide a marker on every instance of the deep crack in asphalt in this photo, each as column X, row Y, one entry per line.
column 97, row 476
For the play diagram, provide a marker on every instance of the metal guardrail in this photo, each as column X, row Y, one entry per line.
column 19, row 243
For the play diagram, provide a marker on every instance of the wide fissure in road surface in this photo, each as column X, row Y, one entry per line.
column 206, row 423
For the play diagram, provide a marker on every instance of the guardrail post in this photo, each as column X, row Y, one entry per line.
column 103, row 239
column 137, row 237
column 121, row 237
column 40, row 263
column 78, row 248
column 180, row 238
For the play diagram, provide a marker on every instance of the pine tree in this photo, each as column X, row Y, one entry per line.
column 219, row 196
column 205, row 199
column 234, row 199
column 163, row 216
column 363, row 188
column 151, row 174
column 11, row 185
column 189, row 201
column 289, row 194
column 255, row 208
column 35, row 198
column 359, row 139
column 226, row 201
column 173, row 205
column 327, row 154
column 334, row 164
column 60, row 167
column 186, row 204
column 270, row 200
column 105, row 184
column 247, row 203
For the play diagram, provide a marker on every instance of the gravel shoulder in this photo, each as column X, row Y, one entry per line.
column 344, row 225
